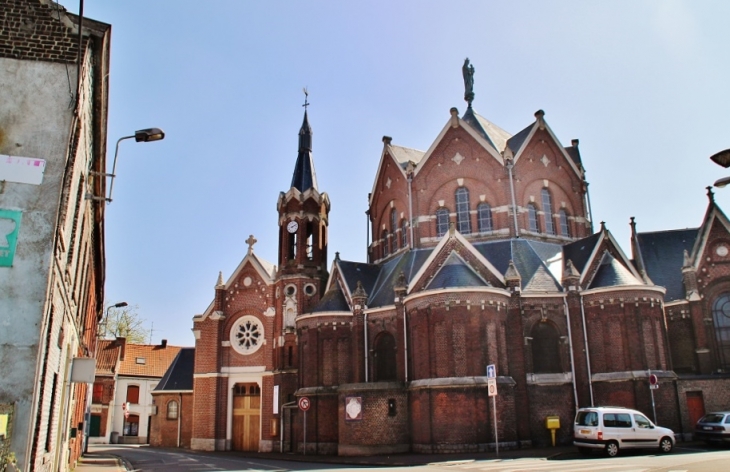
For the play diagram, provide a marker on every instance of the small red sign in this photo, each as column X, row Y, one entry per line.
column 653, row 379
column 304, row 403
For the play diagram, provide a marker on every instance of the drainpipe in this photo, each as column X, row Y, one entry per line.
column 179, row 420
column 588, row 355
column 289, row 405
column 365, row 343
column 514, row 200
column 570, row 346
column 590, row 211
column 405, row 341
column 410, row 212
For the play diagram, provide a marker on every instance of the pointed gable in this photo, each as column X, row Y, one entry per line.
column 612, row 273
column 455, row 273
column 333, row 301
column 304, row 177
column 179, row 376
column 714, row 221
column 580, row 251
column 539, row 264
column 493, row 134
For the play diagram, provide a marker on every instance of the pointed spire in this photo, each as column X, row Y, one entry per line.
column 219, row 283
column 512, row 274
column 687, row 263
column 570, row 270
column 359, row 291
column 304, row 176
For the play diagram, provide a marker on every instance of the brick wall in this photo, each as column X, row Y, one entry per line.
column 163, row 430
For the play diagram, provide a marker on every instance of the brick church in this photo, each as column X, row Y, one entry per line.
column 483, row 252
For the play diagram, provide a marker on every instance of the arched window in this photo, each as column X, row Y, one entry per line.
column 547, row 208
column 545, row 349
column 403, row 234
column 532, row 217
column 564, row 227
column 386, row 248
column 385, row 357
column 463, row 222
column 442, row 221
column 172, row 408
column 484, row 214
column 393, row 228
column 721, row 317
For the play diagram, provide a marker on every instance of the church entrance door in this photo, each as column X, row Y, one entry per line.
column 246, row 417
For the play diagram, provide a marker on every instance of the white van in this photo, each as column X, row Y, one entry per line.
column 615, row 428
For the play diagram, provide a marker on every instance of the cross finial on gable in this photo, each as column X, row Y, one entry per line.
column 710, row 194
column 251, row 241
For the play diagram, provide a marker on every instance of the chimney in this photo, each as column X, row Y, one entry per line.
column 122, row 343
column 163, row 344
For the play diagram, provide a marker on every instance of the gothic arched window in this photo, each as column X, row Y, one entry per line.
column 545, row 349
column 385, row 367
column 532, row 217
column 442, row 221
column 403, row 234
column 547, row 208
column 564, row 226
column 721, row 317
column 463, row 221
column 484, row 214
column 172, row 410
column 386, row 243
column 393, row 228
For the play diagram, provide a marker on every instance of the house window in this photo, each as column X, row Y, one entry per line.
column 442, row 221
column 545, row 349
column 172, row 408
column 132, row 393
column 386, row 243
column 131, row 426
column 564, row 227
column 547, row 207
column 403, row 234
column 532, row 218
column 98, row 394
column 463, row 222
column 721, row 317
column 484, row 214
column 393, row 228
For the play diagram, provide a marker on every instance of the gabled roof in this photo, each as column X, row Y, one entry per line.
column 611, row 273
column 409, row 263
column 455, row 273
column 539, row 264
column 107, row 356
column 352, row 272
column 493, row 134
column 663, row 256
column 713, row 213
column 179, row 375
column 145, row 360
column 579, row 252
column 516, row 141
column 333, row 300
column 597, row 249
column 403, row 155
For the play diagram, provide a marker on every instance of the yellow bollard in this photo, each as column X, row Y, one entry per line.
column 552, row 423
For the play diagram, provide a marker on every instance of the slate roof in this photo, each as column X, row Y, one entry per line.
column 157, row 359
column 333, row 300
column 612, row 273
column 574, row 154
column 304, row 176
column 107, row 356
column 455, row 273
column 179, row 375
column 663, row 256
column 495, row 135
column 515, row 142
column 579, row 251
column 532, row 260
column 353, row 272
column 403, row 154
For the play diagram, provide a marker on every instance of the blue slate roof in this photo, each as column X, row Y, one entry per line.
column 579, row 251
column 663, row 256
column 366, row 274
column 409, row 263
column 515, row 142
column 530, row 259
column 574, row 154
column 612, row 273
column 179, row 375
column 333, row 300
column 456, row 273
column 304, row 176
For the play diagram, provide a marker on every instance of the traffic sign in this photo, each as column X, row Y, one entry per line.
column 492, row 387
column 491, row 372
column 304, row 403
column 653, row 380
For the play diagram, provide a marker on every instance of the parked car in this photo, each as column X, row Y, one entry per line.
column 714, row 427
column 614, row 428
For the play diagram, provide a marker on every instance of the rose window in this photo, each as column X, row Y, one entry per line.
column 247, row 335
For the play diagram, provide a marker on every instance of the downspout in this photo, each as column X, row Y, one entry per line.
column 367, row 233
column 514, row 200
column 588, row 355
column 289, row 405
column 179, row 420
column 590, row 211
column 365, row 343
column 410, row 216
column 570, row 347
column 405, row 341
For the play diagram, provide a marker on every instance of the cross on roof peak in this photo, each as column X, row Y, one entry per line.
column 251, row 241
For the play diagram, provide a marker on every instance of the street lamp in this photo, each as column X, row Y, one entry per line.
column 141, row 136
column 722, row 158
column 106, row 316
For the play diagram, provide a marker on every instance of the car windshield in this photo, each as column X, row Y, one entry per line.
column 586, row 418
column 712, row 418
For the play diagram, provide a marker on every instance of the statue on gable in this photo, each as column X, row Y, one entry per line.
column 468, row 71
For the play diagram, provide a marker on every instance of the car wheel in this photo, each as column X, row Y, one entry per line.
column 612, row 449
column 665, row 445
column 584, row 450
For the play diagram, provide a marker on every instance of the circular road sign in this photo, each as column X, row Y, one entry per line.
column 304, row 403
column 653, row 380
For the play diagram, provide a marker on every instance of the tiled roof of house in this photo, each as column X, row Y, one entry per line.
column 144, row 360
column 107, row 356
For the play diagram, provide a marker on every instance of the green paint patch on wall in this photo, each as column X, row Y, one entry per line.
column 9, row 229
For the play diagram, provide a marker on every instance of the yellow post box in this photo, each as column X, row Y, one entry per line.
column 552, row 423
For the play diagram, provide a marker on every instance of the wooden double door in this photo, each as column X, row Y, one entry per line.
column 246, row 417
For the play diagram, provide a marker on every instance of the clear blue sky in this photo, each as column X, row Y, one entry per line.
column 643, row 85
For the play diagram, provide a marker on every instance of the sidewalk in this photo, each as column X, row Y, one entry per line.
column 100, row 462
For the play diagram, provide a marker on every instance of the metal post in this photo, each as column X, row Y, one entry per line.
column 305, row 432
column 496, row 434
column 651, row 390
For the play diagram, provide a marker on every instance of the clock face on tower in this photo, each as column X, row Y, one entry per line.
column 292, row 226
